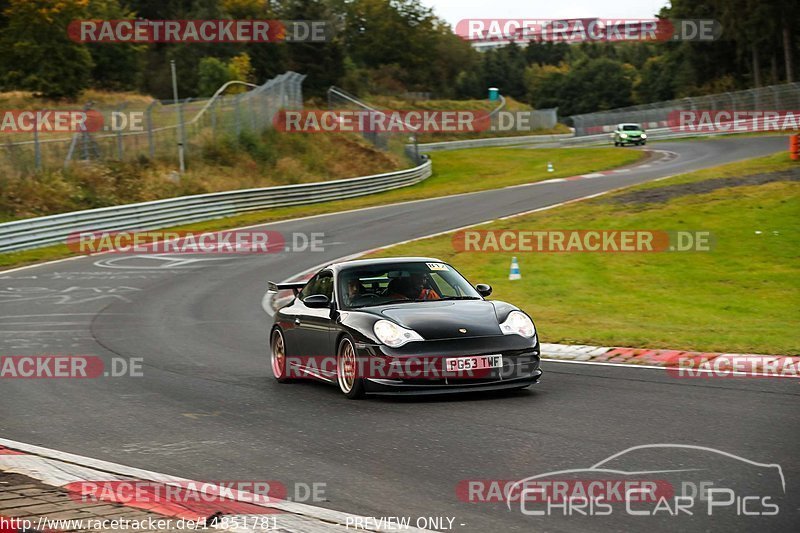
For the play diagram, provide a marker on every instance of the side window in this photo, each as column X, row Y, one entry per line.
column 310, row 288
column 325, row 284
column 322, row 283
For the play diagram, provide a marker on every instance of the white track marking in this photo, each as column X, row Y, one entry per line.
column 62, row 467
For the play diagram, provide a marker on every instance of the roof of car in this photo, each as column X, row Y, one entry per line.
column 631, row 124
column 383, row 260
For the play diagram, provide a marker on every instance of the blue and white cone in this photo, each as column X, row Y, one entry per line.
column 514, row 273
column 550, row 167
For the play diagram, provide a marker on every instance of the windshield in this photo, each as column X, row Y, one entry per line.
column 631, row 127
column 401, row 283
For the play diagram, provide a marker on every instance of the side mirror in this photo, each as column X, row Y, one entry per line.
column 317, row 301
column 483, row 289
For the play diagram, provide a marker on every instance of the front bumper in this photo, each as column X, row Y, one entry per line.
column 418, row 367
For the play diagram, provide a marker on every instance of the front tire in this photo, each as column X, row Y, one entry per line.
column 277, row 346
column 350, row 384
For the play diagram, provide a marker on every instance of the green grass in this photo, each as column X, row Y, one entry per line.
column 454, row 172
column 744, row 296
column 490, row 168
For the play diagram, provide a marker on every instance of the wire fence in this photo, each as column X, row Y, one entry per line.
column 399, row 143
column 785, row 97
column 154, row 131
column 408, row 143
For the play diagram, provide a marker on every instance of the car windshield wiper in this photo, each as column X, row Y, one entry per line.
column 460, row 298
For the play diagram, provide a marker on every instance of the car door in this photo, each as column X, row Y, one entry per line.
column 314, row 326
column 291, row 318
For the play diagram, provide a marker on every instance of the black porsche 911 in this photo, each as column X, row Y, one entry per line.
column 407, row 325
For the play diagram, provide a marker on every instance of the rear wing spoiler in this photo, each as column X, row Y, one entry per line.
column 294, row 286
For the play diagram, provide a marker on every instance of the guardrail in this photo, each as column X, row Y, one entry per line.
column 656, row 134
column 53, row 229
column 564, row 140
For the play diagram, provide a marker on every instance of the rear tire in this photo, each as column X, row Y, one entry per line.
column 347, row 378
column 277, row 358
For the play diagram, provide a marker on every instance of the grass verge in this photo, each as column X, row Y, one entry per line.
column 743, row 296
column 454, row 172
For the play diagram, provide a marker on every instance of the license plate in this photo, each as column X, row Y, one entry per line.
column 474, row 362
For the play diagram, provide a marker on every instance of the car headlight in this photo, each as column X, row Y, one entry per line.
column 644, row 136
column 623, row 135
column 393, row 335
column 518, row 323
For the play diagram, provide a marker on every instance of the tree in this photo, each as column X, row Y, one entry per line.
column 545, row 85
column 212, row 74
column 546, row 53
column 591, row 85
column 37, row 53
column 598, row 84
column 117, row 66
column 514, row 63
column 321, row 62
column 654, row 83
column 403, row 33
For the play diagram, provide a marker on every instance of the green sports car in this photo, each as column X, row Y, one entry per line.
column 629, row 134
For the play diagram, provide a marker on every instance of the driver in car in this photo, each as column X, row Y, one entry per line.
column 353, row 289
column 415, row 286
column 420, row 287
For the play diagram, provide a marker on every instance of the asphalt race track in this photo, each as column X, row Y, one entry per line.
column 208, row 408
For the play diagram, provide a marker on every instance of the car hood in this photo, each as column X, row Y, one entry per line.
column 444, row 320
